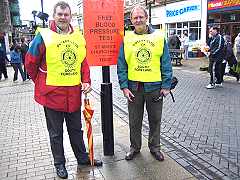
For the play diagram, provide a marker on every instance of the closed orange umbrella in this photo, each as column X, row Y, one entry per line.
column 88, row 114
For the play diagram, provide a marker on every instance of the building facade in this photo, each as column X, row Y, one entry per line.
column 9, row 20
column 226, row 15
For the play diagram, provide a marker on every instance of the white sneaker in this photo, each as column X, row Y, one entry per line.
column 210, row 86
column 219, row 85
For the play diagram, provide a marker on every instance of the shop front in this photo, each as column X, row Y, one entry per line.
column 187, row 16
column 226, row 15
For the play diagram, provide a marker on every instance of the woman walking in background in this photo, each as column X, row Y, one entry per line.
column 16, row 62
column 185, row 44
column 229, row 58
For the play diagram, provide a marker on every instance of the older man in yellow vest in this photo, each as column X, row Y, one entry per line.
column 144, row 73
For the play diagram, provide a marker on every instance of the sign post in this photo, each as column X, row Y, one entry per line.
column 103, row 31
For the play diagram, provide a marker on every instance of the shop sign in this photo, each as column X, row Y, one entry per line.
column 181, row 11
column 219, row 4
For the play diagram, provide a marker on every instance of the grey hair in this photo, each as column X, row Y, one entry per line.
column 62, row 4
column 138, row 7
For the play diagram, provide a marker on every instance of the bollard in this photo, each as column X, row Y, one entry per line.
column 107, row 113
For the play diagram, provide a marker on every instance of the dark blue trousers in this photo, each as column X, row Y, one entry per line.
column 55, row 121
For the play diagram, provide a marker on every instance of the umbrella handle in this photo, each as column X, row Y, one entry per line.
column 86, row 96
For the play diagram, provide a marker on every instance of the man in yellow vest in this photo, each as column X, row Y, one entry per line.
column 56, row 63
column 144, row 73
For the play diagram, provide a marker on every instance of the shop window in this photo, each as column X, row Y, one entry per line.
column 179, row 25
column 193, row 28
column 193, row 34
column 172, row 25
column 193, row 24
column 171, row 31
column 185, row 25
column 179, row 32
column 199, row 34
column 157, row 26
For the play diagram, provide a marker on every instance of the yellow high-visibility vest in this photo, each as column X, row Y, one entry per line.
column 64, row 55
column 142, row 54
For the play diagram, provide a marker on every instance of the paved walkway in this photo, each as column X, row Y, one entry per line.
column 201, row 129
column 25, row 151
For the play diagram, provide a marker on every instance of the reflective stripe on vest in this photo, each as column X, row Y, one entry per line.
column 142, row 54
column 64, row 55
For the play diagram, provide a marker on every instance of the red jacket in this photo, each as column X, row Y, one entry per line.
column 59, row 98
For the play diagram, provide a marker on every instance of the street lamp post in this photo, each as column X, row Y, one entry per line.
column 34, row 17
column 42, row 12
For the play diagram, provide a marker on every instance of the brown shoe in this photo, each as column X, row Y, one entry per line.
column 131, row 154
column 158, row 155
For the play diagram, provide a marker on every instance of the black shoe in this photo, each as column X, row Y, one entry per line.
column 238, row 76
column 158, row 155
column 96, row 162
column 61, row 171
column 131, row 154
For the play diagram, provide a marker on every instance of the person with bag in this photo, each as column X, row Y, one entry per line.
column 229, row 58
column 144, row 72
column 56, row 62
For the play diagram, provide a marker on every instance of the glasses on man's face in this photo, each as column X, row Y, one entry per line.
column 138, row 18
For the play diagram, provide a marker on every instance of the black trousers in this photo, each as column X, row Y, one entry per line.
column 3, row 70
column 16, row 67
column 214, row 69
column 74, row 127
column 223, row 66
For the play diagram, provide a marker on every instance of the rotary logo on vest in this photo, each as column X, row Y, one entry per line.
column 143, row 55
column 68, row 58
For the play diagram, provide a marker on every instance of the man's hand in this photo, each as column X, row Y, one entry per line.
column 128, row 94
column 86, row 88
column 164, row 92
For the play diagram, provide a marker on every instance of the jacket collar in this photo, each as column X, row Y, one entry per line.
column 54, row 27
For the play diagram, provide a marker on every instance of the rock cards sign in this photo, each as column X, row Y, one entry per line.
column 103, row 30
column 183, row 11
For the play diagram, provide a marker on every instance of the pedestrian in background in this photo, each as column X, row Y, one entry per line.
column 216, row 45
column 185, row 44
column 16, row 62
column 144, row 73
column 59, row 70
column 229, row 58
column 237, row 47
column 174, row 41
column 3, row 68
column 24, row 49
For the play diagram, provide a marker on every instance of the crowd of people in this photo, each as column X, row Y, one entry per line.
column 18, row 51
column 221, row 56
column 224, row 57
